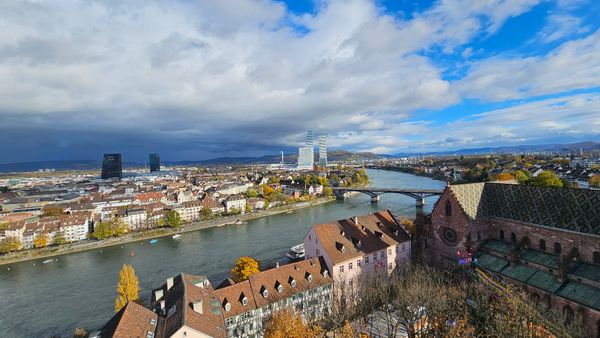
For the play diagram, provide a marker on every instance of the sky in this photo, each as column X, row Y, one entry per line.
column 200, row 79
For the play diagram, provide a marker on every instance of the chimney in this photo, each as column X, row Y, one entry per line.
column 197, row 306
column 355, row 220
column 277, row 265
column 158, row 294
column 162, row 305
column 169, row 283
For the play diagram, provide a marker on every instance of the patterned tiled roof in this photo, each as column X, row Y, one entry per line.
column 569, row 209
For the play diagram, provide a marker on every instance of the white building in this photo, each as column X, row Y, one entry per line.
column 235, row 203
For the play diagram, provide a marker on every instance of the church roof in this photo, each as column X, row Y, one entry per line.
column 564, row 208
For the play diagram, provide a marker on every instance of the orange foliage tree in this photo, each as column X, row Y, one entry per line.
column 243, row 268
column 505, row 176
column 288, row 324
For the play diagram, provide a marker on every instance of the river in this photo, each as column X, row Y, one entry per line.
column 78, row 290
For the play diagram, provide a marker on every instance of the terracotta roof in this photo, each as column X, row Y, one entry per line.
column 269, row 280
column 133, row 320
column 187, row 292
column 344, row 239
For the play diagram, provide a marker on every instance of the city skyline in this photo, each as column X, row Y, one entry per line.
column 379, row 76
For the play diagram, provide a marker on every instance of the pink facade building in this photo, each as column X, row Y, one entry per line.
column 353, row 247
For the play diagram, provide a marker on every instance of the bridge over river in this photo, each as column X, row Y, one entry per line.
column 418, row 194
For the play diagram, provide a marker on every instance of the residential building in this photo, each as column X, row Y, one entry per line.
column 214, row 206
column 154, row 162
column 189, row 211
column 112, row 166
column 545, row 240
column 359, row 245
column 135, row 218
column 235, row 203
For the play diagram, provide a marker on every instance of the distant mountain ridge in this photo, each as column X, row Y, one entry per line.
column 588, row 146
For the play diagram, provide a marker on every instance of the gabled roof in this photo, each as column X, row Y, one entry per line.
column 344, row 239
column 133, row 320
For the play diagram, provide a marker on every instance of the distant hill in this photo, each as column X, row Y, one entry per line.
column 588, row 146
column 333, row 155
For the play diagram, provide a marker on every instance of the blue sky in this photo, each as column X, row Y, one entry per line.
column 204, row 79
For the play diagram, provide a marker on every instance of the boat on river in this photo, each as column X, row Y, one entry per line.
column 296, row 252
column 176, row 236
column 48, row 261
column 152, row 241
column 238, row 222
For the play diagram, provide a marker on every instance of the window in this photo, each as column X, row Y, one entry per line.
column 358, row 262
column 513, row 237
column 341, row 268
column 382, row 254
column 403, row 246
column 557, row 248
column 389, row 252
column 502, row 234
column 542, row 245
column 390, row 266
column 350, row 266
column 374, row 257
column 448, row 208
column 596, row 258
column 366, row 259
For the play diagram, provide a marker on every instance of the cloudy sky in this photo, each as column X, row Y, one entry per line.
column 198, row 79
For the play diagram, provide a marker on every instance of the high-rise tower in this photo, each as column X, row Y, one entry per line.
column 306, row 154
column 112, row 166
column 154, row 161
column 323, row 151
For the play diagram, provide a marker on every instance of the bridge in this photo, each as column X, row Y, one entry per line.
column 418, row 194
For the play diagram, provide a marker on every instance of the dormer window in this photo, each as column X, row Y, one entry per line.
column 264, row 292
column 339, row 246
column 243, row 299
column 357, row 242
column 379, row 234
column 226, row 305
column 325, row 273
column 292, row 282
column 309, row 277
column 278, row 287
column 342, row 233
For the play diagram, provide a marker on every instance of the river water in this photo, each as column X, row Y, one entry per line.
column 79, row 289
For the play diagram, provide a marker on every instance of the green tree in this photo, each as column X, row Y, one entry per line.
column 327, row 191
column 594, row 181
column 243, row 268
column 251, row 193
column 9, row 244
column 171, row 219
column 546, row 179
column 113, row 228
column 522, row 176
column 4, row 225
column 59, row 239
column 127, row 288
column 206, row 213
column 52, row 211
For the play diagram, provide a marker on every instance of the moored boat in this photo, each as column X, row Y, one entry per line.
column 152, row 241
column 176, row 236
column 296, row 252
column 48, row 261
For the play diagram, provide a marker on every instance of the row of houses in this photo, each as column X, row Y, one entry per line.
column 72, row 228
column 337, row 253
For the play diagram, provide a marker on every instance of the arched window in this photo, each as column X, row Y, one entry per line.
column 513, row 237
column 596, row 258
column 542, row 245
column 448, row 208
column 557, row 248
column 502, row 234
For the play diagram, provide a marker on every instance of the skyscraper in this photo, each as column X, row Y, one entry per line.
column 112, row 166
column 323, row 151
column 154, row 161
column 306, row 154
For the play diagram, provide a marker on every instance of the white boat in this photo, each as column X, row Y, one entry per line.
column 176, row 236
column 296, row 252
column 238, row 222
column 48, row 261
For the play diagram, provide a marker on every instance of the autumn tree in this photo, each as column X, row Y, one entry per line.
column 206, row 213
column 9, row 244
column 127, row 288
column 40, row 240
column 289, row 324
column 52, row 211
column 59, row 239
column 327, row 191
column 522, row 176
column 546, row 179
column 243, row 268
column 409, row 226
column 251, row 193
column 505, row 177
column 594, row 181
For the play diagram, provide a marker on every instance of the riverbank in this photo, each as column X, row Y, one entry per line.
column 87, row 245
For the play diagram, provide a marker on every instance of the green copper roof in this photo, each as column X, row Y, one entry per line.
column 490, row 262
column 570, row 209
column 540, row 257
column 519, row 272
column 587, row 271
column 581, row 293
column 498, row 246
column 544, row 280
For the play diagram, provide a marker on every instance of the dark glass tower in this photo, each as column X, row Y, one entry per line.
column 154, row 162
column 112, row 166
